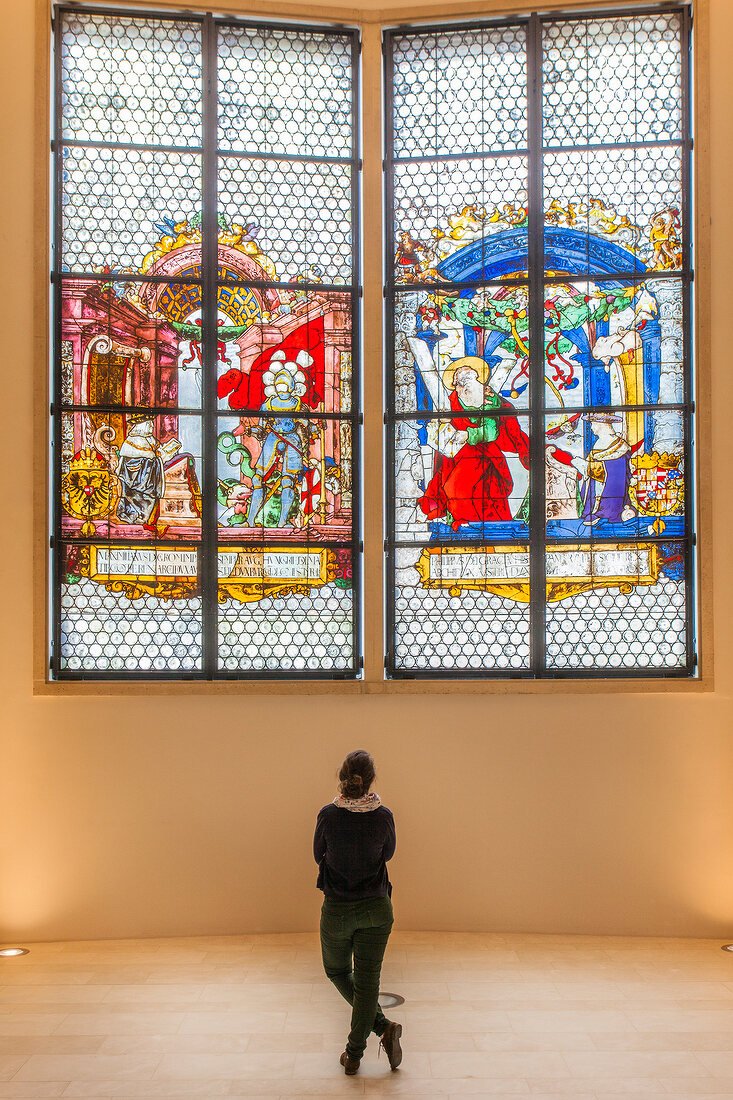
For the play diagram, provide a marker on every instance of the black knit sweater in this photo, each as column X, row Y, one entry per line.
column 351, row 850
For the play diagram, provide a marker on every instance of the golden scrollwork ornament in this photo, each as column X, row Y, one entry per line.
column 90, row 490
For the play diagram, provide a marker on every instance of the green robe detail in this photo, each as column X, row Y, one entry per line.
column 486, row 430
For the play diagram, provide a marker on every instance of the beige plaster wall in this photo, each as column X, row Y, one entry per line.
column 146, row 815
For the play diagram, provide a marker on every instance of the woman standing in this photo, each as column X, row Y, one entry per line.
column 355, row 836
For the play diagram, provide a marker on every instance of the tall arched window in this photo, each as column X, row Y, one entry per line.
column 206, row 400
column 540, row 414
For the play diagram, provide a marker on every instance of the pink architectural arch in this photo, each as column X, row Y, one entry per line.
column 180, row 262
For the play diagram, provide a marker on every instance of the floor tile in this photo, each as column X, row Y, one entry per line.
column 548, row 1017
column 95, row 1067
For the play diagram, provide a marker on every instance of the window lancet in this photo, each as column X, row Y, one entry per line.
column 206, row 399
column 539, row 388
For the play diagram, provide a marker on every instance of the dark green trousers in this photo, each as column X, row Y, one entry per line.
column 354, row 937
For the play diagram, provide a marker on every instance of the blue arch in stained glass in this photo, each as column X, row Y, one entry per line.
column 567, row 250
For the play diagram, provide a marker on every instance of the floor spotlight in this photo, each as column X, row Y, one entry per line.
column 8, row 951
column 727, row 947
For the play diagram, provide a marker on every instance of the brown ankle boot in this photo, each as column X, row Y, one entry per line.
column 351, row 1065
column 390, row 1044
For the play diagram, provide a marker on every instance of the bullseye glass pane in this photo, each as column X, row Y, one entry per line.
column 131, row 80
column 285, row 91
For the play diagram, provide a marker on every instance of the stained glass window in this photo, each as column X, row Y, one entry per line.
column 205, row 413
column 539, row 383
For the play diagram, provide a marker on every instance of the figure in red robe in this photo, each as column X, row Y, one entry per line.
column 474, row 484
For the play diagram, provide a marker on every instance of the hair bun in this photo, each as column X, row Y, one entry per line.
column 356, row 774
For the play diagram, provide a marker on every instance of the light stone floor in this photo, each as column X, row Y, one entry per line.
column 575, row 1017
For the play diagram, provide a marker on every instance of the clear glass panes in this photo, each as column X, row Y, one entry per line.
column 612, row 80
column 296, row 215
column 285, row 92
column 121, row 205
column 130, row 80
column 460, row 92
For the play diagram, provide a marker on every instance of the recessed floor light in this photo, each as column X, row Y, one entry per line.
column 727, row 947
column 14, row 951
column 390, row 1000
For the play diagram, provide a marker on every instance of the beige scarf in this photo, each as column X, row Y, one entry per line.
column 358, row 805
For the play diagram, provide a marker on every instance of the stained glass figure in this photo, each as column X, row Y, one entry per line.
column 205, row 411
column 539, row 415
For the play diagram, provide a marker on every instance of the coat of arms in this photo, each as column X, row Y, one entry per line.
column 90, row 491
column 657, row 485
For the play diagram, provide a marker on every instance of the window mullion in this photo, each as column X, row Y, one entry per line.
column 375, row 375
column 209, row 290
column 56, row 425
column 536, row 248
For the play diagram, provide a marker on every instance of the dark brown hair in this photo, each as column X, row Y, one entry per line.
column 357, row 774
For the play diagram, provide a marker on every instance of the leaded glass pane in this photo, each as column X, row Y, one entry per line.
column 298, row 214
column 125, row 344
column 311, row 494
column 114, row 201
column 621, row 206
column 613, row 79
column 129, row 608
column 614, row 342
column 286, row 607
column 449, row 492
column 132, row 475
column 617, row 606
column 459, row 91
column 615, row 474
column 451, row 207
column 285, row 91
column 129, row 80
column 468, row 322
column 314, row 324
column 462, row 609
